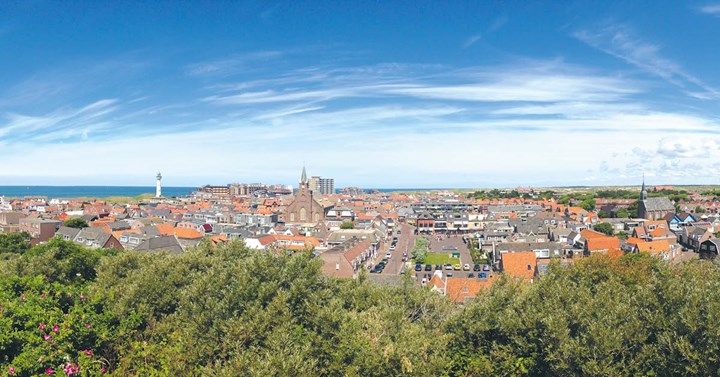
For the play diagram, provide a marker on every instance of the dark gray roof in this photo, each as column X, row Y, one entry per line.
column 167, row 243
column 698, row 231
column 658, row 204
column 118, row 225
column 67, row 231
column 527, row 246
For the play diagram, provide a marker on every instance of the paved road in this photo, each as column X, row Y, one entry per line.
column 405, row 243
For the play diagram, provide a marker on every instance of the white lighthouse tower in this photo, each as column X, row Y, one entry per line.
column 158, row 186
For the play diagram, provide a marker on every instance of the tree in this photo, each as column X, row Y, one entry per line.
column 420, row 250
column 699, row 209
column 16, row 243
column 587, row 204
column 76, row 222
column 622, row 213
column 347, row 225
column 603, row 214
column 605, row 228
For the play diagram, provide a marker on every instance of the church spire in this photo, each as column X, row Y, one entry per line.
column 303, row 178
column 643, row 192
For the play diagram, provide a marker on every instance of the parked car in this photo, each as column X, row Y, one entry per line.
column 477, row 267
column 388, row 255
column 418, row 267
column 482, row 275
column 438, row 267
column 486, row 267
column 466, row 267
column 428, row 267
column 471, row 275
column 449, row 274
column 448, row 266
column 457, row 267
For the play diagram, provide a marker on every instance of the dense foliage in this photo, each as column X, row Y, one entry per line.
column 420, row 249
column 605, row 228
column 229, row 311
column 76, row 222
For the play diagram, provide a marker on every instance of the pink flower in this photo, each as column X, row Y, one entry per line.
column 82, row 297
column 88, row 352
column 71, row 369
column 87, row 326
column 56, row 329
column 11, row 370
column 49, row 371
column 23, row 297
column 41, row 327
column 42, row 296
column 103, row 370
column 47, row 336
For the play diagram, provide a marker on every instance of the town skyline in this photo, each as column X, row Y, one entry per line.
column 374, row 95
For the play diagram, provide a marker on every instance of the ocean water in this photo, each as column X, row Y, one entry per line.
column 106, row 191
column 90, row 191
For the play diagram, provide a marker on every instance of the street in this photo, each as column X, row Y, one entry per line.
column 406, row 240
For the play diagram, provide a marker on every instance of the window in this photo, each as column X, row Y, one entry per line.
column 529, row 267
column 303, row 214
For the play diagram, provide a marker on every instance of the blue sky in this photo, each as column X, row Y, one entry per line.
column 373, row 94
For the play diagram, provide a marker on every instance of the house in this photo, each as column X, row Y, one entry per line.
column 345, row 260
column 10, row 221
column 40, row 230
column 679, row 220
column 659, row 248
column 709, row 248
column 463, row 290
column 520, row 266
column 161, row 243
column 93, row 238
column 425, row 223
column 596, row 242
column 691, row 237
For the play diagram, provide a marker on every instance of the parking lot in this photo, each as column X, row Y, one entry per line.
column 447, row 244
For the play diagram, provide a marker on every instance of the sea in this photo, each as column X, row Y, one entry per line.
column 66, row 192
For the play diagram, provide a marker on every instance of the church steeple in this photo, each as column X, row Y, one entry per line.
column 303, row 178
column 643, row 192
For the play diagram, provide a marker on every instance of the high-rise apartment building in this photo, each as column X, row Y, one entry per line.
column 326, row 186
column 323, row 186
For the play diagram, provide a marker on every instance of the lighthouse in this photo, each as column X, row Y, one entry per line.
column 158, row 186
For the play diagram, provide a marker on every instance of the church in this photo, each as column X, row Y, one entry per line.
column 304, row 209
column 653, row 208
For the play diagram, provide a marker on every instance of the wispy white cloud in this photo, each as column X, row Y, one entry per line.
column 471, row 41
column 231, row 64
column 623, row 44
column 713, row 9
column 58, row 124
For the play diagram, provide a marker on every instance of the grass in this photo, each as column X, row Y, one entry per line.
column 438, row 258
column 126, row 199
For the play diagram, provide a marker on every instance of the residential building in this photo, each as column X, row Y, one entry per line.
column 40, row 230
